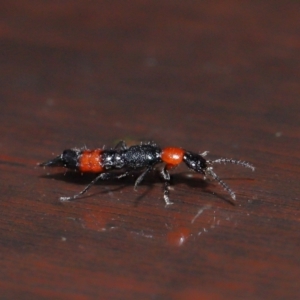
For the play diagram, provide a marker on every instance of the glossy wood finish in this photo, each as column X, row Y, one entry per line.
column 221, row 76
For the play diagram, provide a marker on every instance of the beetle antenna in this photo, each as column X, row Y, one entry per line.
column 232, row 161
column 210, row 172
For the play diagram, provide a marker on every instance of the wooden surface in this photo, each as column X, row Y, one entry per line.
column 221, row 76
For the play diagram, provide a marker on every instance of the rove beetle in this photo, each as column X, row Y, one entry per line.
column 144, row 157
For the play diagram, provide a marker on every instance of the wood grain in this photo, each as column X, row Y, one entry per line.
column 221, row 76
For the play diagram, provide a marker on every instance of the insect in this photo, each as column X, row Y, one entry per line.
column 142, row 157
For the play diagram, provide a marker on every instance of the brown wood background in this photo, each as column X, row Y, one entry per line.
column 215, row 75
